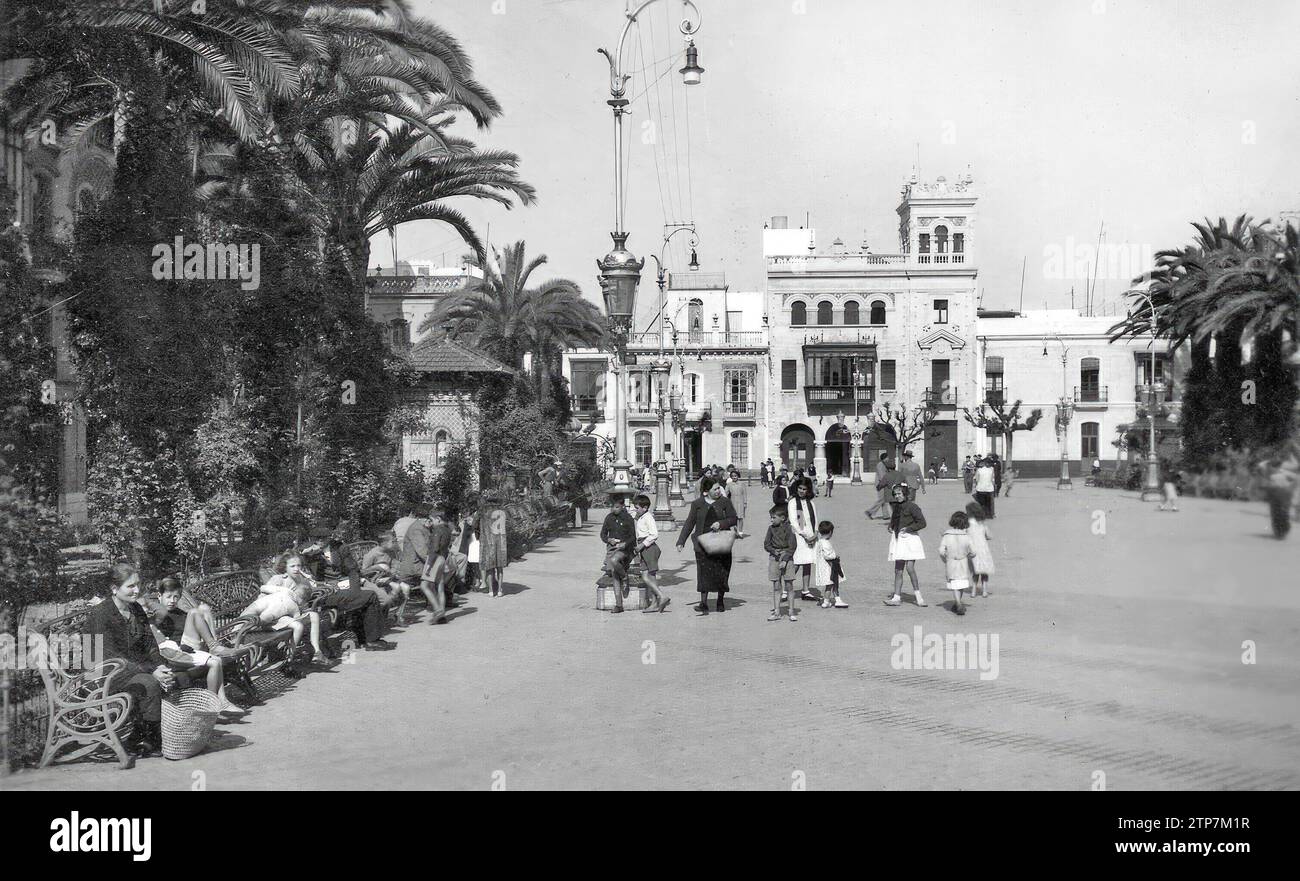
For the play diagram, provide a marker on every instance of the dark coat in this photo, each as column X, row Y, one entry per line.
column 331, row 573
column 132, row 642
column 712, row 572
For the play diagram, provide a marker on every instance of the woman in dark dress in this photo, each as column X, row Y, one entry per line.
column 711, row 512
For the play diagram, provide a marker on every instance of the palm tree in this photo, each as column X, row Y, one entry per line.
column 1235, row 284
column 501, row 314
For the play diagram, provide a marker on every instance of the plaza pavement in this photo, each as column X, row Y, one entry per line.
column 1120, row 651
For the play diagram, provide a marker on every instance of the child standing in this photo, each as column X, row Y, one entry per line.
column 780, row 544
column 829, row 572
column 905, row 546
column 618, row 533
column 830, row 483
column 647, row 544
column 982, row 562
column 956, row 552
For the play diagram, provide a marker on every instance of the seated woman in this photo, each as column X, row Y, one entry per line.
column 282, row 602
column 182, row 635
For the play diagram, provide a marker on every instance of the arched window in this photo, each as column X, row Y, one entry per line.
column 941, row 239
column 825, row 315
column 850, row 312
column 441, row 442
column 740, row 449
column 798, row 315
column 643, row 445
column 878, row 312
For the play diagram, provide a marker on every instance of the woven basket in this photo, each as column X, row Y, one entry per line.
column 719, row 542
column 188, row 718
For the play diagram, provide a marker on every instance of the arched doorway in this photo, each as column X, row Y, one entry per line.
column 797, row 446
column 839, row 450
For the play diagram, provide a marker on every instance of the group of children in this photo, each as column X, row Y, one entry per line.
column 825, row 571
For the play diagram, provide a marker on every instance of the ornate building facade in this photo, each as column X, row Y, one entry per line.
column 852, row 331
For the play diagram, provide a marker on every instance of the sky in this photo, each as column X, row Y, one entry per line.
column 1144, row 116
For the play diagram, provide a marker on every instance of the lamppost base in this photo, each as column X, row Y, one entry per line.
column 1153, row 495
column 1064, row 483
column 623, row 478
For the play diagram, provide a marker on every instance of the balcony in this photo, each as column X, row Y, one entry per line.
column 746, row 339
column 942, row 399
column 1091, row 397
column 835, row 395
column 800, row 263
column 739, row 411
column 939, row 259
column 995, row 397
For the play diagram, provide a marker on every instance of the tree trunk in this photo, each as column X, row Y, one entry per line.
column 1009, row 437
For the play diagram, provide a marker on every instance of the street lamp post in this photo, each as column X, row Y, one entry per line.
column 620, row 270
column 1151, row 491
column 1064, row 411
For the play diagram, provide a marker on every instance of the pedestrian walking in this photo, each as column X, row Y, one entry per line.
column 828, row 571
column 911, row 474
column 812, row 475
column 738, row 492
column 982, row 563
column 710, row 513
column 905, row 546
column 803, row 520
column 968, row 475
column 997, row 473
column 956, row 553
column 883, row 485
column 1283, row 476
column 1009, row 479
column 780, row 543
column 985, row 485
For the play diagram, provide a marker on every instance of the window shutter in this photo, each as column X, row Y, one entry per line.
column 789, row 374
column 993, row 364
column 887, row 375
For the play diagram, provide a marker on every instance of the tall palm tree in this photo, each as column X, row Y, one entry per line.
column 502, row 315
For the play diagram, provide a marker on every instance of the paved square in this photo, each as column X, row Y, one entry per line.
column 1120, row 652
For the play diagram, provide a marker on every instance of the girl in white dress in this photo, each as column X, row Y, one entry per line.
column 829, row 571
column 905, row 546
column 803, row 520
column 982, row 563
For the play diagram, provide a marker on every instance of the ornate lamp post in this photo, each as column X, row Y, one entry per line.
column 663, row 512
column 620, row 270
column 1064, row 411
column 1151, row 484
column 679, row 422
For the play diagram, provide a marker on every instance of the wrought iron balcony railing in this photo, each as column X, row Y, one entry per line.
column 1092, row 394
column 996, row 397
column 941, row 399
column 835, row 394
column 739, row 408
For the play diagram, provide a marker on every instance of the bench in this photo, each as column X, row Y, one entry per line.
column 81, row 711
column 254, row 649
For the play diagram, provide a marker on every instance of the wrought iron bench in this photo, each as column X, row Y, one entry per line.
column 82, row 712
column 254, row 648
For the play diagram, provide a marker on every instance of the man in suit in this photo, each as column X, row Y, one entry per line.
column 417, row 548
column 124, row 630
column 911, row 474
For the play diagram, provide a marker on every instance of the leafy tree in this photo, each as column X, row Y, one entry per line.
column 455, row 484
column 997, row 416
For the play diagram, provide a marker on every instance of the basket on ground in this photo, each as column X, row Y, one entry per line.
column 188, row 718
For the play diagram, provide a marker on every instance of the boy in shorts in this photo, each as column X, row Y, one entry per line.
column 647, row 545
column 184, row 634
column 780, row 544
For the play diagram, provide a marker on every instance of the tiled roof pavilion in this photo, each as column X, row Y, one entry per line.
column 448, row 356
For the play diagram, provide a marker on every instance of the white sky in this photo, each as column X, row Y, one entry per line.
column 1147, row 115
